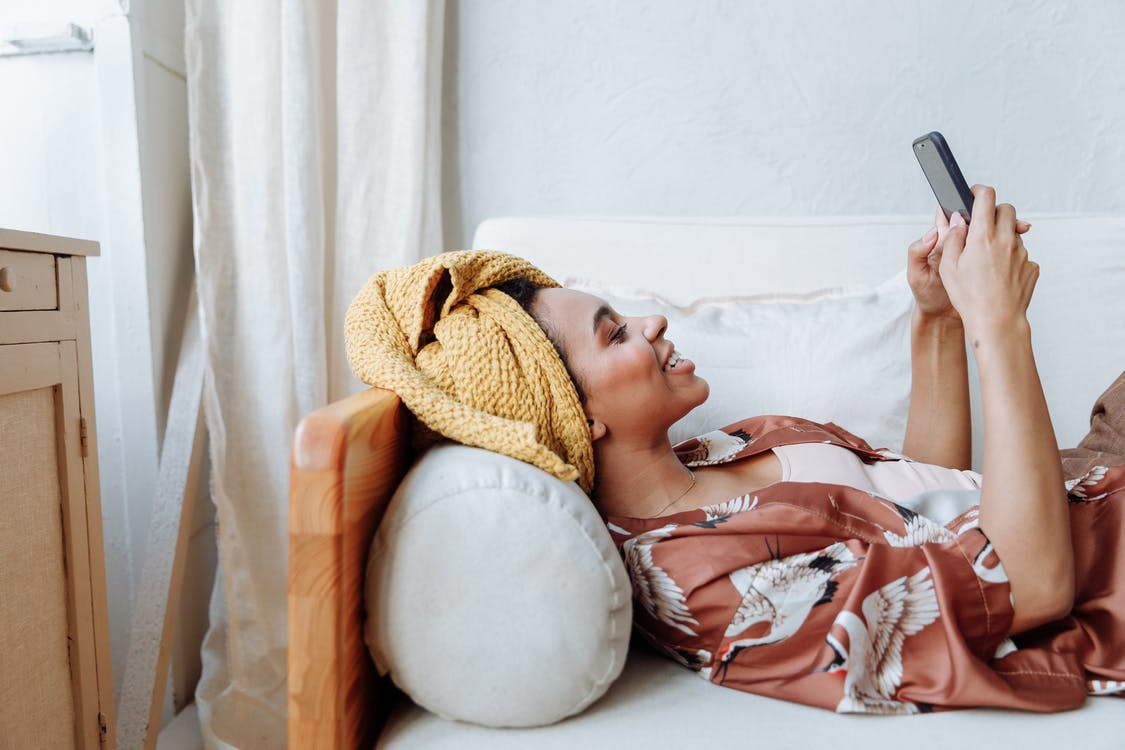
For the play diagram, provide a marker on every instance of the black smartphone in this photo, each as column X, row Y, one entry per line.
column 946, row 180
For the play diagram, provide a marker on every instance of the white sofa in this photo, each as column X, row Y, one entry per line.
column 1078, row 320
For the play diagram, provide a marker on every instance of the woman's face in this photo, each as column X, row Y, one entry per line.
column 635, row 383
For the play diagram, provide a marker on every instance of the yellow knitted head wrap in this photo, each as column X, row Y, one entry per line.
column 469, row 362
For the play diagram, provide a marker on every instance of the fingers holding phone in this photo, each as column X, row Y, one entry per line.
column 922, row 260
column 970, row 224
column 985, row 268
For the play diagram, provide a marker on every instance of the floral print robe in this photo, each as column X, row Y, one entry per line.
column 830, row 596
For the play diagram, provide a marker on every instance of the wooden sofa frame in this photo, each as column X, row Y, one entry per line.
column 347, row 460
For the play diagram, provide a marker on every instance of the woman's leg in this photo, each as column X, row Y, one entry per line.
column 1104, row 444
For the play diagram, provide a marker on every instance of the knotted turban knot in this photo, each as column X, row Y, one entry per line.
column 469, row 362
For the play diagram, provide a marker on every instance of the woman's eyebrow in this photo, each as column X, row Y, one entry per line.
column 599, row 315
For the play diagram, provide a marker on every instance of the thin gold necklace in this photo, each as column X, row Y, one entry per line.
column 678, row 497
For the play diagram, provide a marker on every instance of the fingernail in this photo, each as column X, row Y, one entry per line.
column 956, row 220
column 930, row 234
column 1024, row 224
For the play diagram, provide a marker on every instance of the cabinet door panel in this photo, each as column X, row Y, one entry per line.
column 48, row 675
column 36, row 702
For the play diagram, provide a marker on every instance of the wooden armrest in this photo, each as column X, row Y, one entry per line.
column 347, row 459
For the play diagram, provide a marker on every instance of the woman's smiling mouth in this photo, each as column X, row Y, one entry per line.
column 674, row 359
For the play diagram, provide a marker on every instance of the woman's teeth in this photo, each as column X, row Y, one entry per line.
column 673, row 361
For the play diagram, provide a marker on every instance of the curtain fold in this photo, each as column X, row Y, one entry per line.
column 314, row 129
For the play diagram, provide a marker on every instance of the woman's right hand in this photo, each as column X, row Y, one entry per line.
column 985, row 268
column 1023, row 507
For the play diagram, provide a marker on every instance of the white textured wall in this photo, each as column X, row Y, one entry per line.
column 707, row 107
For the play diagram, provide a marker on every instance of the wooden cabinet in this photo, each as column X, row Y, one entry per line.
column 56, row 687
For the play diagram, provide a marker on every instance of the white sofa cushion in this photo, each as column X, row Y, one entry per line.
column 659, row 705
column 495, row 592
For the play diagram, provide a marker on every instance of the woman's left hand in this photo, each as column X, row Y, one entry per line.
column 922, row 260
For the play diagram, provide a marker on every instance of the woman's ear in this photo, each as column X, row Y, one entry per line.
column 597, row 429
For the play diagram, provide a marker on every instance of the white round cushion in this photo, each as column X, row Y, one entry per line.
column 494, row 592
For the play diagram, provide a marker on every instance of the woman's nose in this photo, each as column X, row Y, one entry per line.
column 654, row 326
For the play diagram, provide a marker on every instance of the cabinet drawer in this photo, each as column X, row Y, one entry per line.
column 27, row 281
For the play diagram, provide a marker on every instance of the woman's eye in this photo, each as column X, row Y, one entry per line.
column 619, row 334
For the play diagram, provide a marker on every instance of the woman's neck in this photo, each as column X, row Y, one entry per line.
column 651, row 481
column 640, row 481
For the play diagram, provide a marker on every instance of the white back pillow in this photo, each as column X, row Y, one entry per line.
column 836, row 355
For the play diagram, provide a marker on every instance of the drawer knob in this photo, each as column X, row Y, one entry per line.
column 6, row 279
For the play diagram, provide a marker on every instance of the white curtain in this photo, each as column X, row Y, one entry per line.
column 315, row 161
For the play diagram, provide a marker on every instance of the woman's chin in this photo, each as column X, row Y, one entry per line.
column 705, row 389
column 700, row 398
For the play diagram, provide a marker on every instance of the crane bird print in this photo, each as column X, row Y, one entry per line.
column 782, row 592
column 720, row 512
column 660, row 596
column 917, row 529
column 872, row 658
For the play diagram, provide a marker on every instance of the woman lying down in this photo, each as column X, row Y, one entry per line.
column 777, row 555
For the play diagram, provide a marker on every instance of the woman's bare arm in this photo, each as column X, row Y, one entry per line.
column 1023, row 505
column 938, row 427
